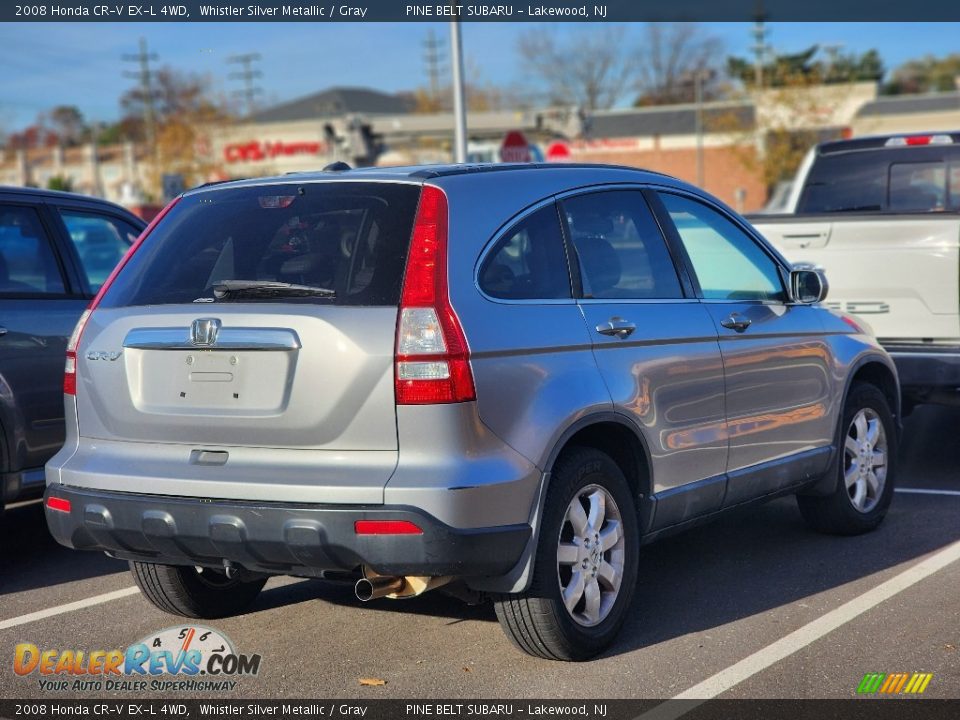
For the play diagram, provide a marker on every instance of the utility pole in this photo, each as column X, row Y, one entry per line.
column 143, row 58
column 459, row 105
column 248, row 74
column 432, row 58
column 698, row 100
column 760, row 47
column 832, row 51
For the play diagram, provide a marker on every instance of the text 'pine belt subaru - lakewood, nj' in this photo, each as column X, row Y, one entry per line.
column 497, row 379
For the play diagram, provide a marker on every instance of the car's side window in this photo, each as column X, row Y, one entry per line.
column 28, row 265
column 729, row 264
column 529, row 261
column 100, row 240
column 621, row 250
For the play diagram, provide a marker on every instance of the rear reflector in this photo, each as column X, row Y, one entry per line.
column 58, row 504
column 386, row 527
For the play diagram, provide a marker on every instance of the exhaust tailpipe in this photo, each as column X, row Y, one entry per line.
column 378, row 587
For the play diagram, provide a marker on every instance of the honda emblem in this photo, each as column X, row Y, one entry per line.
column 204, row 331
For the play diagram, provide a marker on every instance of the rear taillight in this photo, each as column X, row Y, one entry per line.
column 432, row 357
column 70, row 368
column 914, row 140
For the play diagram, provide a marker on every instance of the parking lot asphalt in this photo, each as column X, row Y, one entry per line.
column 753, row 605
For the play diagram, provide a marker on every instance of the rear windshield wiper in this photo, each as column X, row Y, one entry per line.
column 226, row 289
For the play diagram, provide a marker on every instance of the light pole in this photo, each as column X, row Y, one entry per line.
column 459, row 106
column 698, row 101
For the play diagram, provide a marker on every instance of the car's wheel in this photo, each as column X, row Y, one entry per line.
column 865, row 467
column 585, row 566
column 194, row 592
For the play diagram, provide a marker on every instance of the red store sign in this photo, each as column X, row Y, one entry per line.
column 255, row 150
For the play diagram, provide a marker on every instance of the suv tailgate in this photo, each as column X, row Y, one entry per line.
column 246, row 351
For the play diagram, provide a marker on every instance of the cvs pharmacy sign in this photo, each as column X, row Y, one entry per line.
column 257, row 150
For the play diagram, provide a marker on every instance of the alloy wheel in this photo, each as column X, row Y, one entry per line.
column 590, row 555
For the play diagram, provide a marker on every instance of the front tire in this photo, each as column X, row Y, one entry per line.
column 586, row 563
column 194, row 592
column 865, row 468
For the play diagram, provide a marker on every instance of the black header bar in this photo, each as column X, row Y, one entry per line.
column 504, row 11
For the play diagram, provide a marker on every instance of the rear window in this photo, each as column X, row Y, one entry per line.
column 894, row 180
column 331, row 243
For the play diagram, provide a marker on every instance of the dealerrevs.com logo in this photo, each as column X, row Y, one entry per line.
column 192, row 658
column 901, row 683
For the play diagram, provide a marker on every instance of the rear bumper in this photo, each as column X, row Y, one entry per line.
column 277, row 538
column 922, row 367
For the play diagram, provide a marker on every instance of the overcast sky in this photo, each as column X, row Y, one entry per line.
column 47, row 64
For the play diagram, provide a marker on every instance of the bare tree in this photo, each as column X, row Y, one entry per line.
column 589, row 69
column 668, row 59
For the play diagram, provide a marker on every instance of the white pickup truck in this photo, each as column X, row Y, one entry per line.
column 881, row 217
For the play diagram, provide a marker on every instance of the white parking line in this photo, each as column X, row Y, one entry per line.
column 924, row 491
column 69, row 607
column 799, row 639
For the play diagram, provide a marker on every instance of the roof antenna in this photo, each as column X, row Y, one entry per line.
column 338, row 166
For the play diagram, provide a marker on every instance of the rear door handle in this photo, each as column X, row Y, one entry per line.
column 737, row 322
column 616, row 327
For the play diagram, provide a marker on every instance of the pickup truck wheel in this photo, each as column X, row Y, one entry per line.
column 586, row 563
column 194, row 592
column 865, row 467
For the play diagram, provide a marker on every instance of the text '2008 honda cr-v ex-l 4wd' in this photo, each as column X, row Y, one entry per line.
column 501, row 380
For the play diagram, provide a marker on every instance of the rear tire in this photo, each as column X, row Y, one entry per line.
column 193, row 593
column 865, row 468
column 588, row 553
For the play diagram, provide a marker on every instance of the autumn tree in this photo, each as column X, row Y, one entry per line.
column 785, row 122
column 927, row 74
column 185, row 112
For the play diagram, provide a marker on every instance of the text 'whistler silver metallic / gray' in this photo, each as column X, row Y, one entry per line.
column 497, row 380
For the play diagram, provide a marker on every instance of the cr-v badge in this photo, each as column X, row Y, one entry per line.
column 204, row 331
column 104, row 355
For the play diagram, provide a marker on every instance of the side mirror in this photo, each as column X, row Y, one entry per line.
column 808, row 286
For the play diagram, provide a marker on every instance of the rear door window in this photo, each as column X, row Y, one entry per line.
column 528, row 262
column 918, row 187
column 100, row 241
column 28, row 265
column 338, row 243
column 621, row 250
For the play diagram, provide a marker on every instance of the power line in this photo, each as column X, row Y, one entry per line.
column 248, row 75
column 144, row 75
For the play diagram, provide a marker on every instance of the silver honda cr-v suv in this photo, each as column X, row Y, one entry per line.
column 499, row 379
